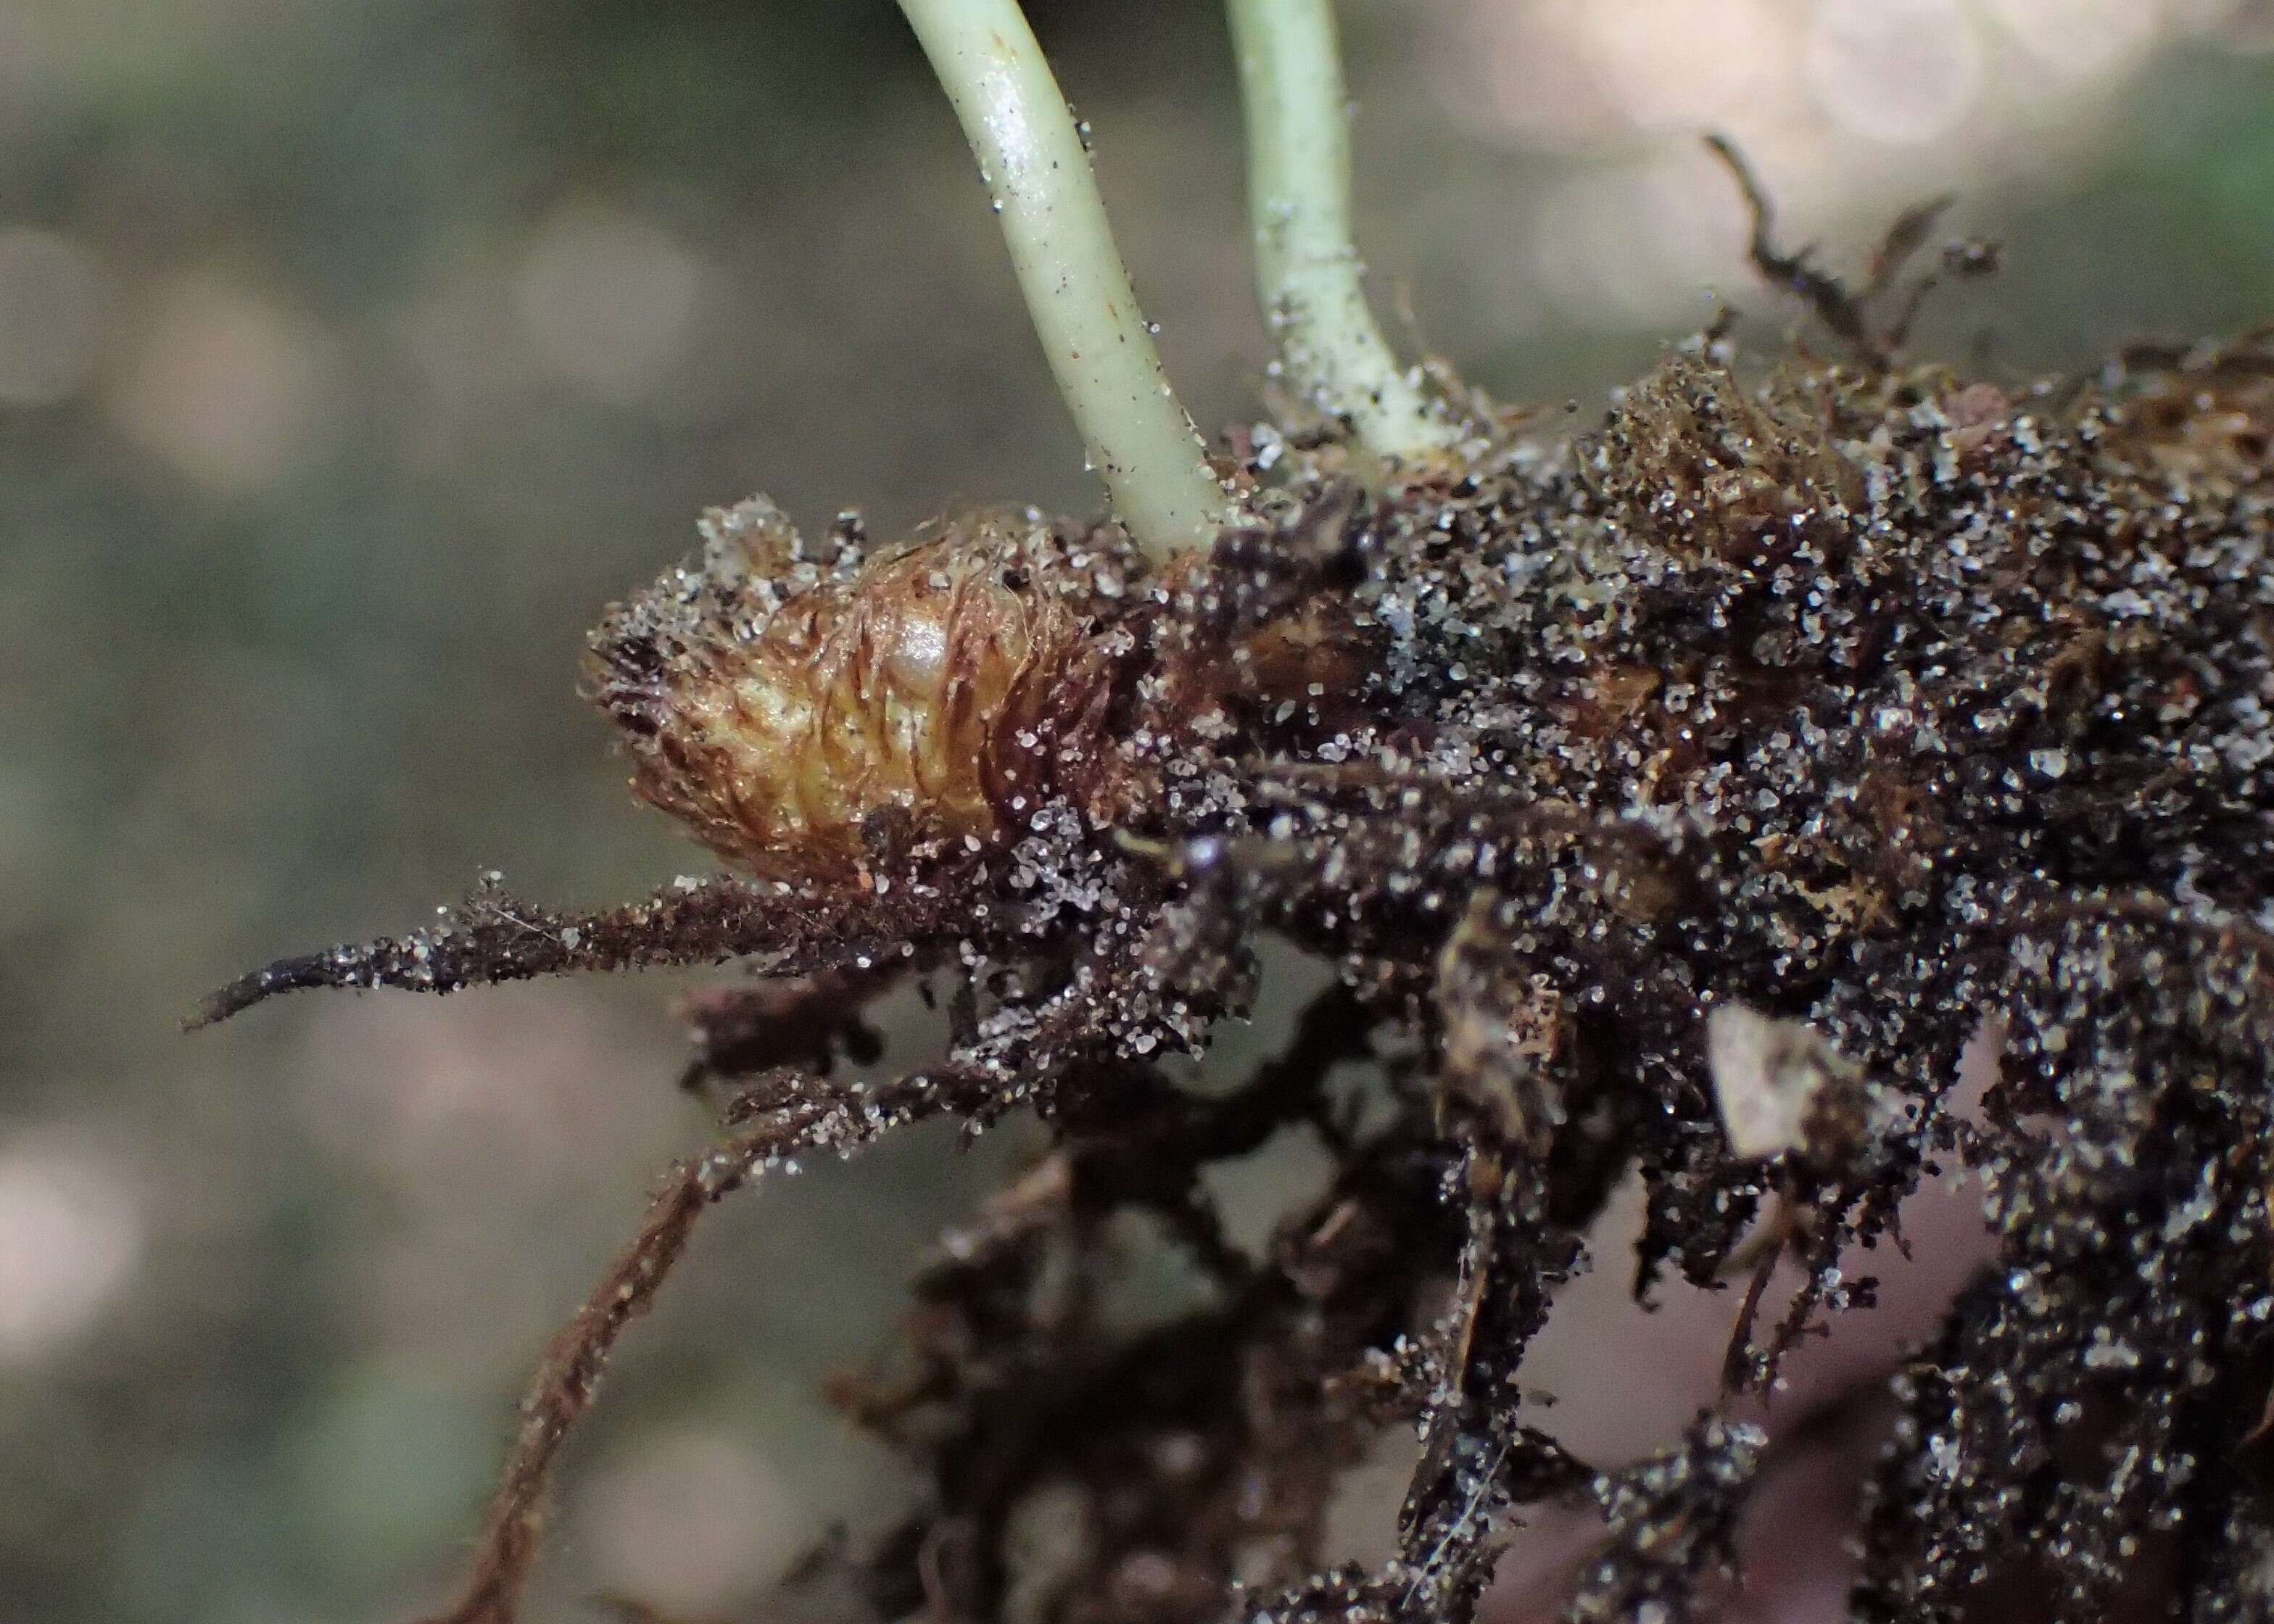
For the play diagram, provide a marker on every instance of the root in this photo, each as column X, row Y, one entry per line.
column 491, row 937
column 815, row 1117
column 1767, row 698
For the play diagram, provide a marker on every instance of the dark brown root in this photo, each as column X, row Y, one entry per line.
column 806, row 1023
column 1674, row 1521
column 491, row 938
column 567, row 1381
column 779, row 1113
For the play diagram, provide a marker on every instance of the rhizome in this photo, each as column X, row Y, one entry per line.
column 1676, row 801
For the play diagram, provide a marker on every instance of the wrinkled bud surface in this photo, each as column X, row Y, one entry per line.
column 804, row 710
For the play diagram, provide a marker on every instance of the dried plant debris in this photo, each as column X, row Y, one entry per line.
column 1849, row 313
column 1677, row 800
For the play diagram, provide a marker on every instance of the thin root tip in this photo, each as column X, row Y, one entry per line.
column 284, row 975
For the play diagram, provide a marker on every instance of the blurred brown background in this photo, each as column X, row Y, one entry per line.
column 353, row 353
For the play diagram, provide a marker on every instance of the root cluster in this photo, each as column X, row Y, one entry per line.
column 1866, row 700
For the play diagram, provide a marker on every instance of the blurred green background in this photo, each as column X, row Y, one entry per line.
column 354, row 353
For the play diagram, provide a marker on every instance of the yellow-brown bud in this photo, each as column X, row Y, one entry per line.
column 800, row 712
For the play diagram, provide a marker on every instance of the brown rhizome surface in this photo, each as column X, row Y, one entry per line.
column 1856, row 697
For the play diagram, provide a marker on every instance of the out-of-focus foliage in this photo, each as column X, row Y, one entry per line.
column 352, row 356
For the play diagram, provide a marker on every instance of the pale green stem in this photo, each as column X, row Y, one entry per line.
column 1100, row 346
column 1298, row 202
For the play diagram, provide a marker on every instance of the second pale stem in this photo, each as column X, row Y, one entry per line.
column 1307, row 268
